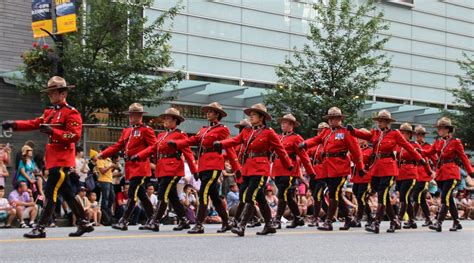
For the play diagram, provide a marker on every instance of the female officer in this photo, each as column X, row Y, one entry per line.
column 210, row 164
column 169, row 169
column 447, row 174
column 384, row 170
column 258, row 144
column 285, row 179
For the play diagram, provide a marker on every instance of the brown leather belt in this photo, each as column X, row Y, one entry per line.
column 408, row 162
column 209, row 150
column 342, row 154
column 385, row 155
column 176, row 155
column 257, row 154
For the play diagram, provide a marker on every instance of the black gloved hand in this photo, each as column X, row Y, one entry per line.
column 418, row 150
column 302, row 146
column 238, row 174
column 362, row 173
column 422, row 161
column 46, row 129
column 290, row 168
column 472, row 175
column 6, row 125
column 349, row 127
column 196, row 176
column 217, row 146
column 134, row 158
column 172, row 144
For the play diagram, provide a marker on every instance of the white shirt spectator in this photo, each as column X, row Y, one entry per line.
column 82, row 169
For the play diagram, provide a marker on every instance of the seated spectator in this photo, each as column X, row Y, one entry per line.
column 7, row 212
column 189, row 199
column 309, row 202
column 301, row 200
column 350, row 201
column 84, row 201
column 373, row 202
column 233, row 199
column 95, row 208
column 24, row 204
column 121, row 201
column 272, row 200
column 434, row 203
column 5, row 151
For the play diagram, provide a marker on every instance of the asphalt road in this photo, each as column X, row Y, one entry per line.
column 297, row 245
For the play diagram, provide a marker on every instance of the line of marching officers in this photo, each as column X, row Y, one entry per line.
column 373, row 160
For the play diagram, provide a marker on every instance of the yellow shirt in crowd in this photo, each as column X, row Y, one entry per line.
column 104, row 177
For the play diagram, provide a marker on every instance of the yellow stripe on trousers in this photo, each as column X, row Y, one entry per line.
column 62, row 176
column 208, row 185
column 343, row 180
column 319, row 197
column 285, row 193
column 450, row 191
column 407, row 196
column 386, row 190
column 421, row 193
column 135, row 195
column 168, row 189
column 255, row 192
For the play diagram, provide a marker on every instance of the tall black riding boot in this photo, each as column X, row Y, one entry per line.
column 268, row 228
column 439, row 221
column 327, row 225
column 247, row 212
column 375, row 226
column 201, row 216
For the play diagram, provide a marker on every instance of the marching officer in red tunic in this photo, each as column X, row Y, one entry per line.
column 284, row 179
column 63, row 125
column 134, row 139
column 337, row 142
column 406, row 179
column 423, row 179
column 243, row 124
column 169, row 169
column 318, row 181
column 384, row 169
column 447, row 174
column 210, row 164
column 258, row 143
column 360, row 185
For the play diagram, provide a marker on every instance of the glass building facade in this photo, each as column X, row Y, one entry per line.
column 242, row 41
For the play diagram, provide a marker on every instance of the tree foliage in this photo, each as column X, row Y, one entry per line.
column 340, row 63
column 111, row 57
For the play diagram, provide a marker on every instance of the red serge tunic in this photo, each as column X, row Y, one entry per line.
column 315, row 154
column 299, row 157
column 258, row 143
column 407, row 164
column 423, row 175
column 169, row 160
column 134, row 139
column 61, row 149
column 356, row 178
column 208, row 158
column 447, row 150
column 337, row 142
column 385, row 144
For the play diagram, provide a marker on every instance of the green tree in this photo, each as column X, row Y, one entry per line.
column 341, row 62
column 464, row 96
column 110, row 59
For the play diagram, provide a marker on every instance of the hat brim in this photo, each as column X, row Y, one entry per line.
column 180, row 118
column 47, row 89
column 264, row 113
column 326, row 117
column 206, row 108
column 383, row 119
column 403, row 130
column 130, row 112
column 443, row 126
column 296, row 123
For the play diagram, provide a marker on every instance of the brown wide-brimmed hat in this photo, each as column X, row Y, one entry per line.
column 289, row 117
column 215, row 106
column 260, row 108
column 420, row 130
column 406, row 127
column 242, row 124
column 334, row 112
column 55, row 83
column 136, row 108
column 321, row 125
column 384, row 115
column 172, row 112
column 444, row 122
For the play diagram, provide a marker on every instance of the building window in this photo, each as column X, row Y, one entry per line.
column 189, row 111
column 392, row 100
column 215, row 80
